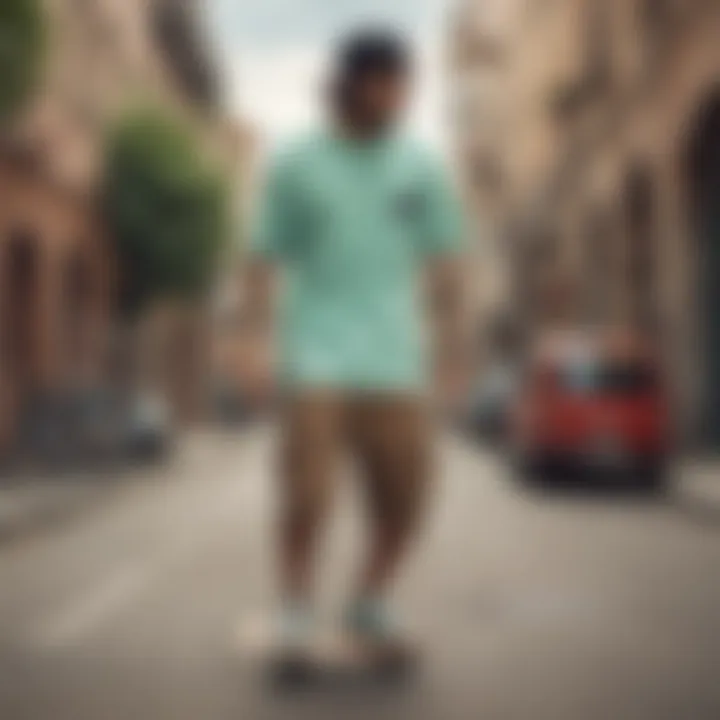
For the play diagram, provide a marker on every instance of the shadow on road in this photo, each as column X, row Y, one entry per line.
column 691, row 506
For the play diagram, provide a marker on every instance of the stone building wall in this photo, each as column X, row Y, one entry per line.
column 599, row 214
column 623, row 216
column 56, row 287
column 104, row 58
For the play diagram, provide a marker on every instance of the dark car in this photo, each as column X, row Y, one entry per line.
column 488, row 412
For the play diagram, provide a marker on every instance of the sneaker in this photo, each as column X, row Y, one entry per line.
column 378, row 638
column 293, row 660
column 370, row 621
column 294, row 627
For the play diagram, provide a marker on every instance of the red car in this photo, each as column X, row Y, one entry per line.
column 593, row 407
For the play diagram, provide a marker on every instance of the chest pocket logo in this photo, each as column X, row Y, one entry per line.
column 409, row 205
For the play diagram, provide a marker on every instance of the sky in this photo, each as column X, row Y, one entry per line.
column 275, row 51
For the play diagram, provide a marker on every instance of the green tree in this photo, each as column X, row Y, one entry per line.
column 22, row 39
column 167, row 211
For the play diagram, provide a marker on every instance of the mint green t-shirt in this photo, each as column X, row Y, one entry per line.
column 351, row 224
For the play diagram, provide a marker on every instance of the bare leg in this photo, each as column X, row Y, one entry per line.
column 393, row 437
column 310, row 445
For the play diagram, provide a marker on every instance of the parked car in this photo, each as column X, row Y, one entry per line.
column 593, row 408
column 95, row 425
column 230, row 404
column 148, row 429
column 487, row 414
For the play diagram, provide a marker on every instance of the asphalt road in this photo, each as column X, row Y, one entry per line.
column 528, row 607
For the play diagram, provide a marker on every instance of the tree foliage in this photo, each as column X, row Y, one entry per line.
column 22, row 40
column 166, row 208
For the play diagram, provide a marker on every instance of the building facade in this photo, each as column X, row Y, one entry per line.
column 478, row 59
column 612, row 179
column 58, row 275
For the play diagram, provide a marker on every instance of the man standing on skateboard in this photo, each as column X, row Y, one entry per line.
column 354, row 218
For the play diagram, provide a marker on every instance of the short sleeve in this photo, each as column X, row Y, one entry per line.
column 443, row 227
column 272, row 229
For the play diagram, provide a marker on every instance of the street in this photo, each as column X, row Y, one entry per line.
column 547, row 607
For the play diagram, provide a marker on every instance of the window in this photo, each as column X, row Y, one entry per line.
column 639, row 208
column 598, row 42
column 599, row 243
column 656, row 18
column 656, row 14
column 608, row 377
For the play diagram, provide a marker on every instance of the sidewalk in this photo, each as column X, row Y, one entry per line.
column 701, row 477
column 33, row 501
column 696, row 491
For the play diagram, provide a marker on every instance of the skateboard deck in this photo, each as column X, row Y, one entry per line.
column 333, row 656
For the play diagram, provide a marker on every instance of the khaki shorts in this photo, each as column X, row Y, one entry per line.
column 389, row 437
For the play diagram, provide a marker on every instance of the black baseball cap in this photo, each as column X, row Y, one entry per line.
column 372, row 51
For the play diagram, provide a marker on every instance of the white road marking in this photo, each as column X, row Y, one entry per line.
column 107, row 598
column 124, row 584
column 122, row 587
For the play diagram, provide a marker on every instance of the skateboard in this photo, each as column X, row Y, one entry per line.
column 334, row 657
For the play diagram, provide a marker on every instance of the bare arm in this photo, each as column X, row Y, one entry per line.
column 260, row 292
column 260, row 302
column 446, row 300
